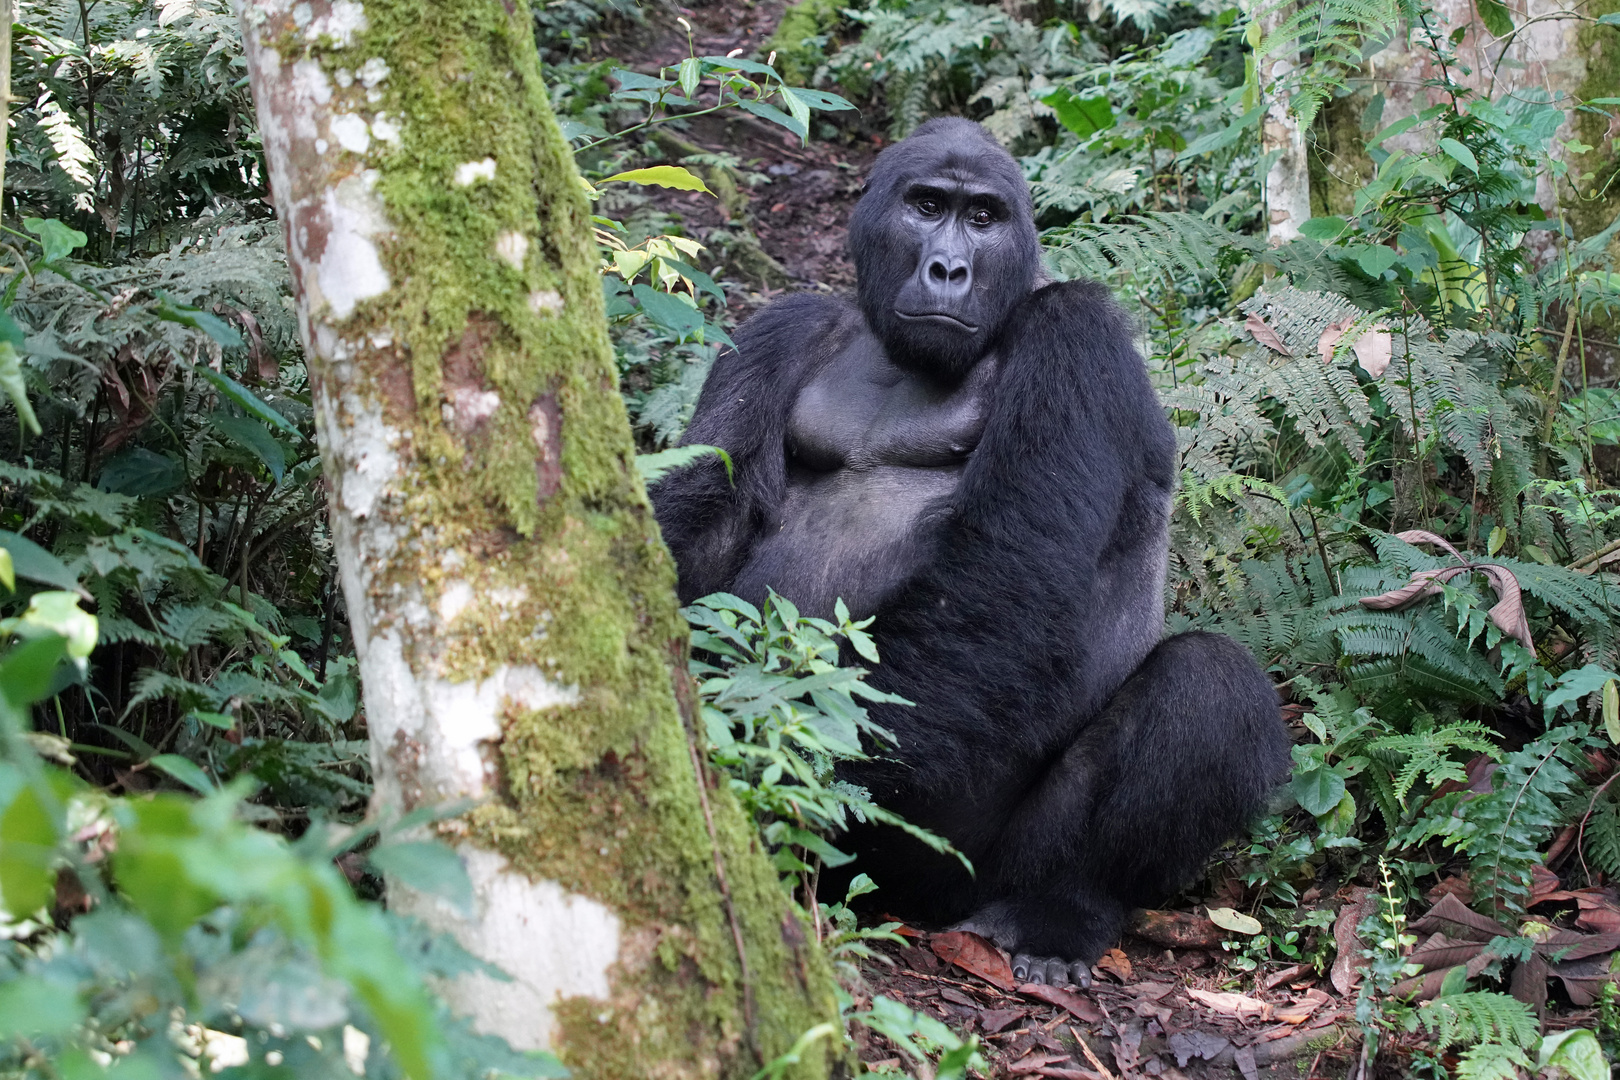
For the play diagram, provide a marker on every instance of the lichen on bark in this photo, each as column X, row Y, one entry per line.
column 497, row 534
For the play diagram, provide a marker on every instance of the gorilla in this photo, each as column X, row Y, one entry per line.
column 974, row 454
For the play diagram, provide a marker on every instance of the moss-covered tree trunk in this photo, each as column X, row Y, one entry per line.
column 512, row 603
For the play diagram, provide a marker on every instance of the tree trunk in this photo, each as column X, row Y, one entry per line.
column 1288, row 181
column 512, row 602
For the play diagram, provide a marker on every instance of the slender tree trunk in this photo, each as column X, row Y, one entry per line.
column 1288, row 181
column 512, row 602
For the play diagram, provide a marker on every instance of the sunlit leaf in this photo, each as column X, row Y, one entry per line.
column 670, row 176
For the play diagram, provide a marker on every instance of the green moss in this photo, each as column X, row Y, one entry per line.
column 1339, row 165
column 537, row 508
column 1600, row 46
column 796, row 57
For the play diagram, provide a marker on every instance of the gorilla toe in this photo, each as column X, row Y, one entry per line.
column 1050, row 971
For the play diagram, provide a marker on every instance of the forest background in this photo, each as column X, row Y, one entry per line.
column 1373, row 250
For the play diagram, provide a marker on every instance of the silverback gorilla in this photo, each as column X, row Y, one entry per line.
column 977, row 458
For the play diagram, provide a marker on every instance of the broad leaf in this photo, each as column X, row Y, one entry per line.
column 670, row 176
column 58, row 240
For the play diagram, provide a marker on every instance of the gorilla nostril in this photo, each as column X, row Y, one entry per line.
column 958, row 275
column 938, row 272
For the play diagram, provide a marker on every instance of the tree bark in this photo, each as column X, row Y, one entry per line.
column 1288, row 181
column 512, row 603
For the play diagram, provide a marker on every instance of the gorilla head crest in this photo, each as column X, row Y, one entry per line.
column 944, row 246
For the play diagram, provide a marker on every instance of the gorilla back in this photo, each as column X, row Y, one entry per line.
column 978, row 459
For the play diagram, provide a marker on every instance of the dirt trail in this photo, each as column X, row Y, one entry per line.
column 801, row 195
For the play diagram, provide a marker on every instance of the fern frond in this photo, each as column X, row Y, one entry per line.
column 1479, row 1017
column 73, row 154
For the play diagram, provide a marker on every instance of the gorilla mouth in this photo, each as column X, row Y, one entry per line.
column 940, row 317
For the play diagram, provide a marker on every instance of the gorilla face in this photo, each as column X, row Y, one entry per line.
column 944, row 246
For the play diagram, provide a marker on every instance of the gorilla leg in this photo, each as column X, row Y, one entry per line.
column 1179, row 761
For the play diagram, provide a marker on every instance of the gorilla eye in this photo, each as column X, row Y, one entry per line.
column 982, row 217
column 928, row 207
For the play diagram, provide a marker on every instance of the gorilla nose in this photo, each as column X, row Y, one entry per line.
column 949, row 278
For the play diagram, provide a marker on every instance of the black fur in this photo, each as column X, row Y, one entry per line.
column 1085, row 765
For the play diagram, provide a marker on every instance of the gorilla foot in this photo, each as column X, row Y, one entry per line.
column 1050, row 971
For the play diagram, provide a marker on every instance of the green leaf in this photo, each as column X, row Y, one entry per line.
column 16, row 388
column 8, row 573
column 254, row 437
column 670, row 176
column 797, row 108
column 1460, row 154
column 766, row 111
column 1083, row 115
column 1393, row 130
column 1235, row 921
column 28, row 671
column 652, row 467
column 668, row 311
column 1373, row 259
column 139, row 472
column 1318, row 790
column 820, row 99
column 28, row 839
column 1575, row 1053
column 1324, row 229
column 1611, row 710
column 339, row 697
column 1222, row 137
column 57, row 614
column 224, row 721
column 186, row 771
column 197, row 319
column 1496, row 17
column 1494, row 543
column 691, row 70
column 1574, row 685
column 33, row 562
column 10, row 331
column 426, row 867
column 32, row 1006
column 1611, row 19
column 249, row 402
column 58, row 240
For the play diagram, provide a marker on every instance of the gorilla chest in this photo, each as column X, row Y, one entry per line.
column 871, row 449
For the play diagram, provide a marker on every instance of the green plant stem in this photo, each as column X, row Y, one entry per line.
column 1557, row 380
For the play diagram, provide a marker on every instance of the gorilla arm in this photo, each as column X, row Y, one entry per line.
column 709, row 523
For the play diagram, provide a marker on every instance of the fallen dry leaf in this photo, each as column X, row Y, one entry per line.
column 994, row 1020
column 1330, row 337
column 1033, row 1062
column 1187, row 1045
column 1277, row 978
column 1117, row 964
column 1373, row 350
column 1265, row 335
column 1152, row 991
column 1507, row 615
column 1175, row 929
column 976, row 956
column 1343, row 974
column 1075, row 1005
column 1239, row 1005
column 1296, row 1013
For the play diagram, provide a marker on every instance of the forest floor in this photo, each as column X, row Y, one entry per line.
column 1172, row 1000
